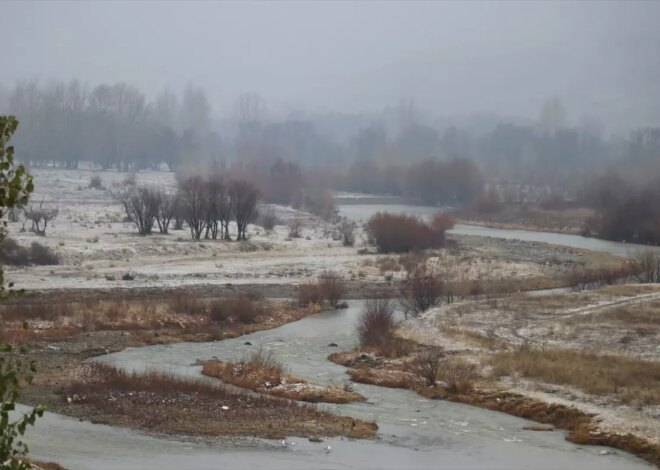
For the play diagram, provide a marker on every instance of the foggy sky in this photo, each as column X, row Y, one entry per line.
column 451, row 58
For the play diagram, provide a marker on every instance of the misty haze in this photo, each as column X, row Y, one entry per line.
column 330, row 234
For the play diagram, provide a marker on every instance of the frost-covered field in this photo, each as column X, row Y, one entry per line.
column 97, row 246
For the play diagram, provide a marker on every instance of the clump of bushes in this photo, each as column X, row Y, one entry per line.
column 268, row 220
column 240, row 308
column 423, row 289
column 12, row 253
column 327, row 289
column 95, row 182
column 376, row 324
column 400, row 233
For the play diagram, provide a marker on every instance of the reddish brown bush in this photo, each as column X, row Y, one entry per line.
column 309, row 294
column 442, row 222
column 332, row 287
column 376, row 325
column 400, row 233
column 240, row 308
column 328, row 289
column 188, row 304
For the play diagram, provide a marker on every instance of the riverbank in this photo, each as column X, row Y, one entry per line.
column 585, row 362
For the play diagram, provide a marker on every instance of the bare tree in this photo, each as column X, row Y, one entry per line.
column 194, row 205
column 40, row 216
column 167, row 206
column 141, row 205
column 244, row 197
column 421, row 291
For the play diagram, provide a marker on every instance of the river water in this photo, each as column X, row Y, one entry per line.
column 415, row 433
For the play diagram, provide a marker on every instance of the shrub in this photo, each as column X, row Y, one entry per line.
column 16, row 255
column 443, row 221
column 240, row 308
column 309, row 294
column 594, row 278
column 187, row 304
column 42, row 255
column 458, row 375
column 427, row 363
column 95, row 182
column 331, row 287
column 421, row 291
column 647, row 265
column 268, row 220
column 295, row 226
column 347, row 231
column 401, row 233
column 375, row 327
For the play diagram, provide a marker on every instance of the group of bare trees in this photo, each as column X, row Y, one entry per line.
column 207, row 205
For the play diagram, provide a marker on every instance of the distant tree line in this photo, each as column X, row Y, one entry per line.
column 112, row 126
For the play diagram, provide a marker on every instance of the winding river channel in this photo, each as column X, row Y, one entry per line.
column 415, row 433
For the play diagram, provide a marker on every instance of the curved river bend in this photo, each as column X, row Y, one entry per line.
column 414, row 432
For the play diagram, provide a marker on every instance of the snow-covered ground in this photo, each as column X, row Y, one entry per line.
column 97, row 246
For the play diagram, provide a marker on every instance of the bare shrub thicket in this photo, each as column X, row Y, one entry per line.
column 332, row 287
column 239, row 308
column 40, row 216
column 347, row 232
column 295, row 227
column 327, row 289
column 423, row 289
column 140, row 204
column 400, row 233
column 12, row 253
column 594, row 278
column 647, row 263
column 427, row 363
column 375, row 327
column 95, row 182
column 458, row 375
column 268, row 220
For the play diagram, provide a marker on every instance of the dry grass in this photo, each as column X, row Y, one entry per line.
column 626, row 379
column 161, row 402
column 262, row 374
column 46, row 465
column 328, row 289
column 178, row 315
